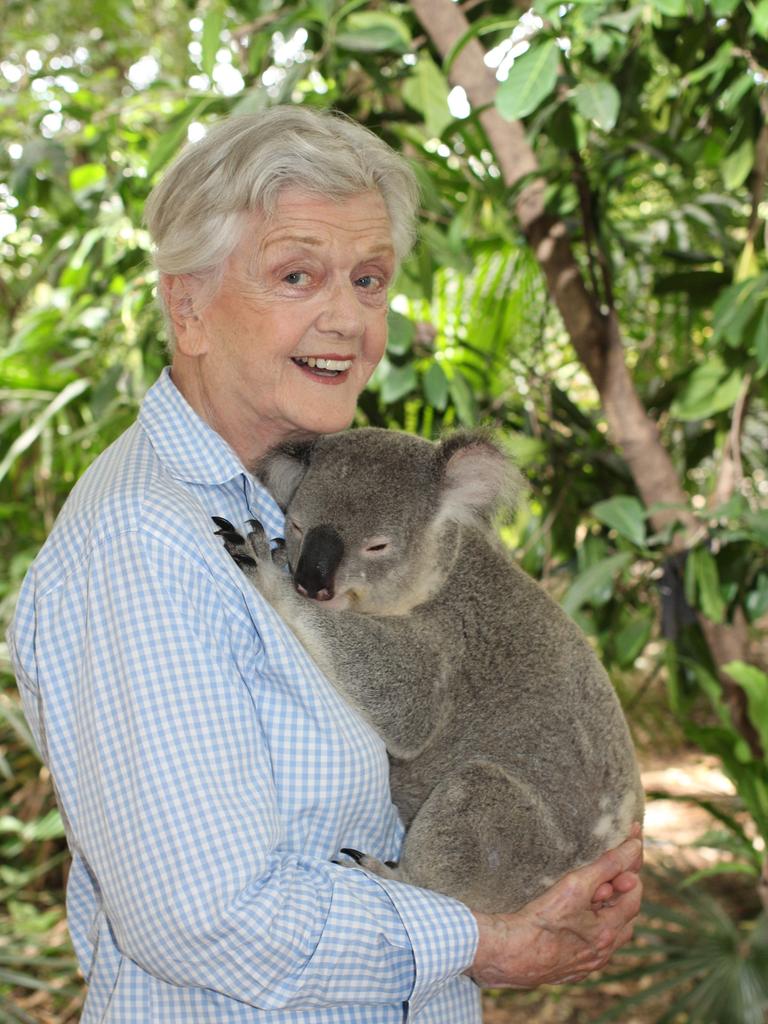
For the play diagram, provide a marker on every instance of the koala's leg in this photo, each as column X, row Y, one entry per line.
column 381, row 664
column 484, row 837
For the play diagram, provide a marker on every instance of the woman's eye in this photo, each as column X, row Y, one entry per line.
column 297, row 277
column 370, row 282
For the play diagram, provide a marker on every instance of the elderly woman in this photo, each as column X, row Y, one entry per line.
column 207, row 773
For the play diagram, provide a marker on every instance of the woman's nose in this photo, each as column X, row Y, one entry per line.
column 342, row 313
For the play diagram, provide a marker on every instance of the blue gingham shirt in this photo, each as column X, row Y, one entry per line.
column 207, row 772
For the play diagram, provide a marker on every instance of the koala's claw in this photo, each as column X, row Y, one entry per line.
column 243, row 560
column 228, row 533
column 231, row 537
column 354, row 854
column 223, row 524
column 385, row 869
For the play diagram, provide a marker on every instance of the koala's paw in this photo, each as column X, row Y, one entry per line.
column 384, row 869
column 249, row 552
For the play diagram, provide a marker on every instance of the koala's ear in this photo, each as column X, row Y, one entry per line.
column 282, row 469
column 478, row 476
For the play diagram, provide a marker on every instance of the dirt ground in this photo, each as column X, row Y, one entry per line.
column 670, row 826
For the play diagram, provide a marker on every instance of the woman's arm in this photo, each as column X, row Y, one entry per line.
column 166, row 780
column 565, row 934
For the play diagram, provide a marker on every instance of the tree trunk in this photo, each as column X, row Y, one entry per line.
column 594, row 332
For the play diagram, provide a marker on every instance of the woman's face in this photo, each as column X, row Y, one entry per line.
column 296, row 327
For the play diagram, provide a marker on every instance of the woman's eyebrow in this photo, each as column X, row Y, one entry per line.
column 301, row 239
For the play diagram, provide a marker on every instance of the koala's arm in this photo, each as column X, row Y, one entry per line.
column 384, row 666
column 387, row 669
column 380, row 664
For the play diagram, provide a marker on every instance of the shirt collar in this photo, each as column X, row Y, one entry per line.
column 194, row 453
column 185, row 444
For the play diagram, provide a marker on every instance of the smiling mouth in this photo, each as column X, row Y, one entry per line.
column 323, row 367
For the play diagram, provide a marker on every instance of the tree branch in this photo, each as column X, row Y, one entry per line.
column 730, row 471
column 596, row 336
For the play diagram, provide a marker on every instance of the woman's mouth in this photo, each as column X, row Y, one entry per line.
column 323, row 366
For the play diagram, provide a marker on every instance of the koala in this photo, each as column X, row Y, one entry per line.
column 510, row 759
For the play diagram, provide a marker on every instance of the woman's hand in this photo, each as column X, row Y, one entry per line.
column 574, row 928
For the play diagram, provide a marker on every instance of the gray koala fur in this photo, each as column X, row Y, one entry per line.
column 511, row 762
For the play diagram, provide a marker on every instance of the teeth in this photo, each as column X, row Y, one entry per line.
column 325, row 364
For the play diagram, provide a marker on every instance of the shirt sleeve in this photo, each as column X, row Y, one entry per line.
column 171, row 801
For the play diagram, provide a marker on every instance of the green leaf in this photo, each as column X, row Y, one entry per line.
column 478, row 28
column 703, row 580
column 598, row 102
column 709, row 389
column 31, row 434
column 172, row 139
column 622, row 20
column 436, row 386
column 756, row 601
column 738, row 164
column 531, row 79
column 400, row 331
column 562, row 130
column 724, row 868
column 593, row 580
column 625, row 514
column 212, row 24
column 672, row 8
column 525, row 450
column 372, row 32
column 760, row 19
column 39, row 829
column 50, row 826
column 631, row 639
column 86, row 176
column 601, row 44
column 755, row 685
column 698, row 285
column 398, row 382
column 735, row 308
column 715, row 67
column 463, row 399
column 730, row 99
column 426, row 90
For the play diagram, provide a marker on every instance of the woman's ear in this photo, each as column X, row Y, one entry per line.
column 181, row 295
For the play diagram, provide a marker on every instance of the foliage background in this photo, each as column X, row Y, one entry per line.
column 644, row 129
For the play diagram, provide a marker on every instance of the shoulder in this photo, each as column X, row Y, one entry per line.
column 126, row 493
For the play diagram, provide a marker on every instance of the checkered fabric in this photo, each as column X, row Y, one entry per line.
column 207, row 772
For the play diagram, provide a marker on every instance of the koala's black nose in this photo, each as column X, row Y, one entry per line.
column 319, row 559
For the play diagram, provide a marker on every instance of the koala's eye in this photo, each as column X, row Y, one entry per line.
column 295, row 526
column 376, row 546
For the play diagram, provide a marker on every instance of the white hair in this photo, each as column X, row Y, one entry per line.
column 195, row 214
